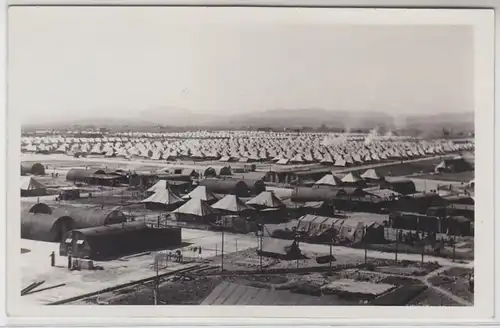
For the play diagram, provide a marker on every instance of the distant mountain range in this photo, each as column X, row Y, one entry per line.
column 277, row 119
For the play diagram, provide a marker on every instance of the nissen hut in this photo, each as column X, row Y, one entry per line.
column 41, row 222
column 116, row 240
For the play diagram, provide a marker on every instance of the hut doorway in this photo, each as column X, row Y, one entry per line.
column 61, row 227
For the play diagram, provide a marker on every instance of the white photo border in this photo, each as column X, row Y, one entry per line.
column 483, row 23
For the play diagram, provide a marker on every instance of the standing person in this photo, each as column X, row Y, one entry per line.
column 53, row 259
column 471, row 283
column 69, row 261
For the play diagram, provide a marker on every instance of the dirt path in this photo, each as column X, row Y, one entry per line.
column 442, row 291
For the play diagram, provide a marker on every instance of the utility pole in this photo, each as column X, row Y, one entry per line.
column 454, row 242
column 365, row 245
column 261, row 246
column 331, row 254
column 423, row 250
column 222, row 254
column 156, row 282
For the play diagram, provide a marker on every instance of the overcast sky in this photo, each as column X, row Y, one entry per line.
column 70, row 63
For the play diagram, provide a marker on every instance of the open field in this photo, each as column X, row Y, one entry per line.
column 460, row 177
column 62, row 163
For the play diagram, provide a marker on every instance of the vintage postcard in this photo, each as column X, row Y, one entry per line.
column 277, row 162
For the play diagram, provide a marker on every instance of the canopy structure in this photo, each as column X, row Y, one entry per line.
column 196, row 207
column 371, row 174
column 329, row 180
column 266, row 199
column 160, row 185
column 29, row 183
column 165, row 198
column 202, row 193
column 233, row 204
column 31, row 187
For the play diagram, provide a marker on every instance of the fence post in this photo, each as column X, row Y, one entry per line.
column 423, row 251
column 397, row 240
column 366, row 246
column 454, row 242
column 222, row 253
column 331, row 254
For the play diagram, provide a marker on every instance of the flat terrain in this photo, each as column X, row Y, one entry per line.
column 35, row 263
column 439, row 281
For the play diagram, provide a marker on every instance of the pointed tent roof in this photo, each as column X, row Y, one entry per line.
column 371, row 174
column 160, row 185
column 202, row 193
column 340, row 162
column 165, row 196
column 267, row 199
column 29, row 183
column 351, row 178
column 329, row 179
column 196, row 207
column 231, row 203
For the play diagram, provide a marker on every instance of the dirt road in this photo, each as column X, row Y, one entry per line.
column 442, row 291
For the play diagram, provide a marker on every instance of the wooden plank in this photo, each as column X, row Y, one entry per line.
column 31, row 287
column 46, row 288
column 225, row 294
column 259, row 297
column 236, row 295
column 250, row 293
column 215, row 293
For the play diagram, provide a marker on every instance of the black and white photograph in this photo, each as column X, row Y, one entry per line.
column 205, row 156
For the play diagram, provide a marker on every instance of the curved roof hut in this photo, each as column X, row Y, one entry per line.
column 256, row 186
column 402, row 186
column 224, row 170
column 41, row 222
column 113, row 241
column 307, row 194
column 226, row 186
column 45, row 227
column 266, row 199
column 232, row 204
column 86, row 217
column 33, row 169
column 38, row 208
column 78, row 175
column 96, row 176
column 212, row 172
